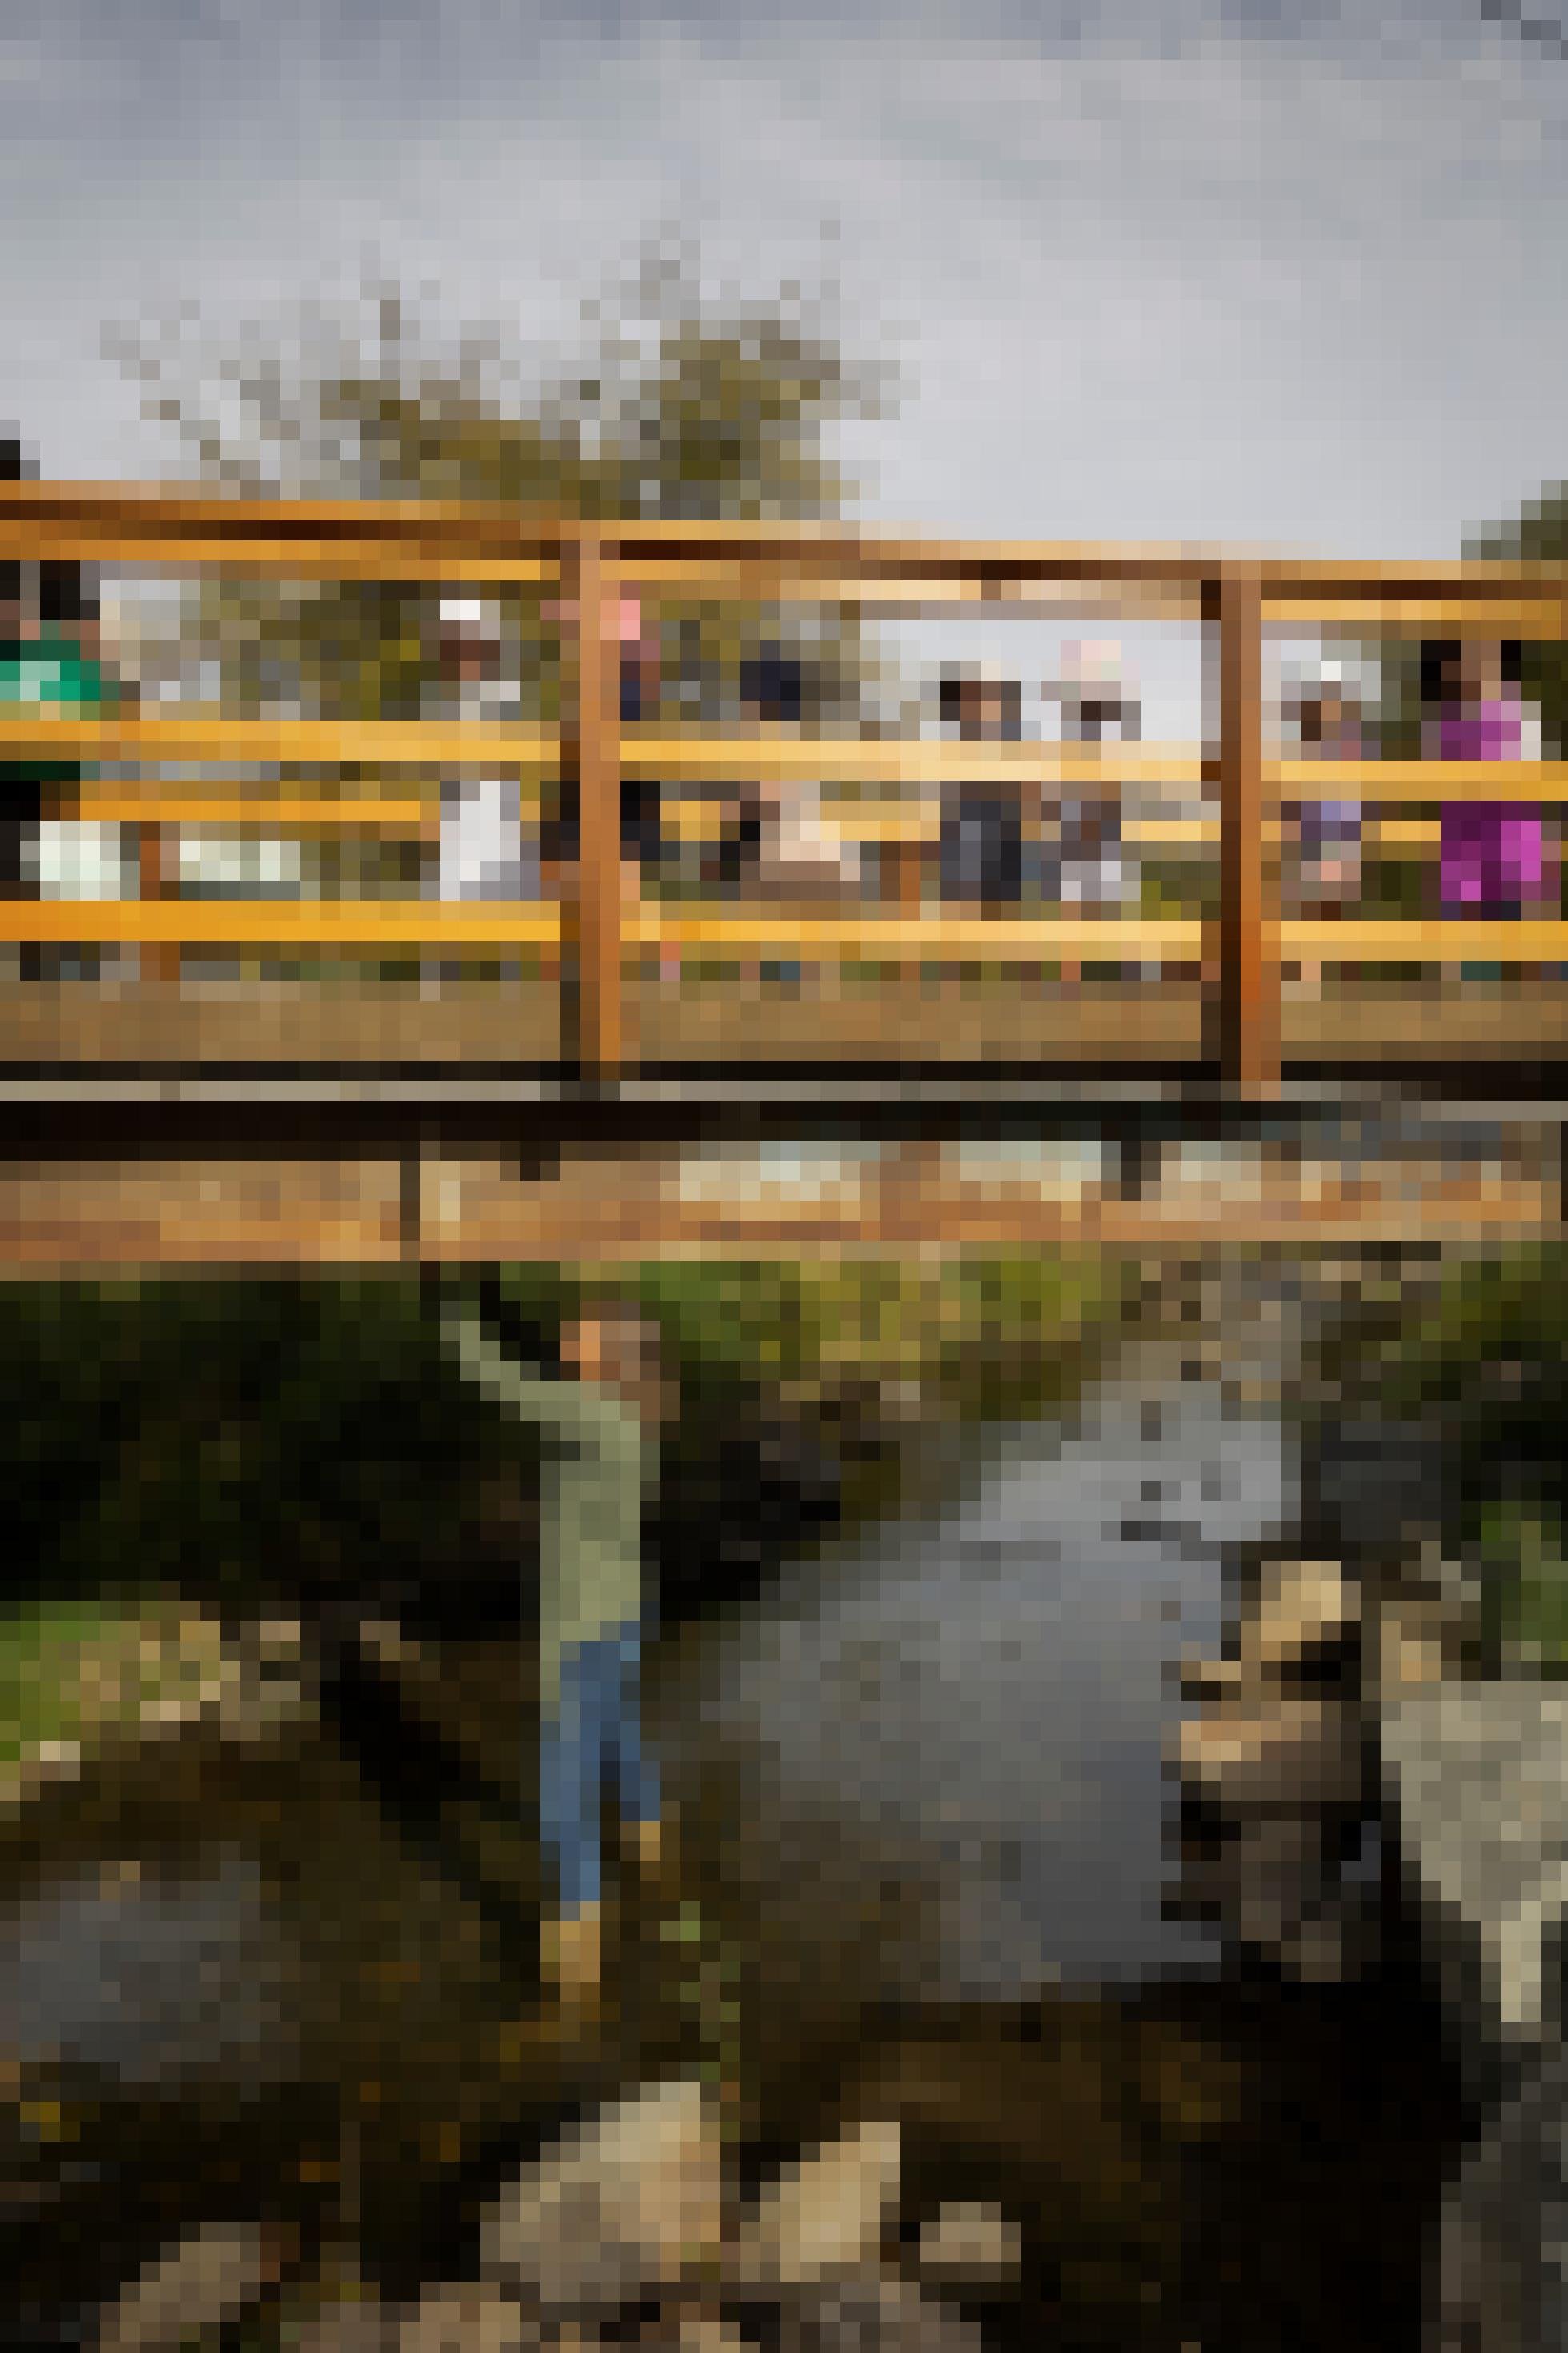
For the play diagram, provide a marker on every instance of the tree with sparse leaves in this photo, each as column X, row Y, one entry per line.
column 685, row 410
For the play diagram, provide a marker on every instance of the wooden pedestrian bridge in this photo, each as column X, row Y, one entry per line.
column 200, row 1047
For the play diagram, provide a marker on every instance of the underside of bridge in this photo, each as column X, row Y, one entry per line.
column 247, row 1173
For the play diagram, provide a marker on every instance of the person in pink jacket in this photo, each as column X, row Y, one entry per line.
column 1492, row 857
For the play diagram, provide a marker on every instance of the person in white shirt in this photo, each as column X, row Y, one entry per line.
column 484, row 851
column 1094, row 869
column 783, row 854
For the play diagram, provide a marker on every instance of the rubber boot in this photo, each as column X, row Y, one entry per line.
column 571, row 1961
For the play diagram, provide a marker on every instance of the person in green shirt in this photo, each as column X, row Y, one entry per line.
column 601, row 1425
column 48, row 662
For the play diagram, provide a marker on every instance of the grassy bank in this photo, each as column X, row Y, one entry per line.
column 1476, row 1357
column 74, row 1671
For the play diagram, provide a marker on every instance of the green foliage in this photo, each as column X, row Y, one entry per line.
column 41, row 1652
column 789, row 1327
column 225, row 1439
column 1503, row 1310
column 1481, row 1359
column 1526, row 1569
column 1180, row 887
column 684, row 410
column 1538, row 534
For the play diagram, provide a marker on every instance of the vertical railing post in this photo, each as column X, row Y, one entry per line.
column 158, row 961
column 591, row 752
column 1247, row 1005
column 904, row 866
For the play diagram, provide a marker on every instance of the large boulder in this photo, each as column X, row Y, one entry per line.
column 826, row 2217
column 969, row 2246
column 1272, row 1753
column 636, row 2194
column 635, row 2211
column 193, row 2289
column 1304, row 1610
column 1476, row 1782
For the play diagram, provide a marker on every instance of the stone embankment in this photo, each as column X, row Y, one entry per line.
column 1348, row 1699
column 1476, row 1773
column 1278, row 1763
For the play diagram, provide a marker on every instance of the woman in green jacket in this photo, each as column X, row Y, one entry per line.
column 600, row 1424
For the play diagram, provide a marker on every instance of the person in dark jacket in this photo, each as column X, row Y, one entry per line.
column 980, row 854
column 642, row 828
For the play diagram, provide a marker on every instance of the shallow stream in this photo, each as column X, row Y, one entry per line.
column 970, row 1702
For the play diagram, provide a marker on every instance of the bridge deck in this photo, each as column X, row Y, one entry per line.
column 182, row 1028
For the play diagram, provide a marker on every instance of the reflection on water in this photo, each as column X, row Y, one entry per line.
column 145, row 1978
column 987, row 1686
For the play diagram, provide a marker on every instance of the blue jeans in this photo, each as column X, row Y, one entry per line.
column 594, row 1736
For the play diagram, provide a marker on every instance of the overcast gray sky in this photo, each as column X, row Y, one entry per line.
column 1158, row 271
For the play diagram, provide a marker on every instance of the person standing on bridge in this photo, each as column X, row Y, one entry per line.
column 783, row 854
column 1099, row 704
column 600, row 1422
column 1493, row 854
column 482, row 853
column 981, row 852
column 639, row 669
column 49, row 663
column 1328, row 879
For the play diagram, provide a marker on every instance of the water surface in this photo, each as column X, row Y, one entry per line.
column 986, row 1688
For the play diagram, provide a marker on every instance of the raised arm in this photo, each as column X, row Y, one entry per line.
column 561, row 1407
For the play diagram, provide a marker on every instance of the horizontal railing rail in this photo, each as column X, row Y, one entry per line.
column 866, row 821
column 134, row 525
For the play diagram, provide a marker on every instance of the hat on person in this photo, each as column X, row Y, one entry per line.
column 1304, row 680
column 470, row 615
column 1090, row 667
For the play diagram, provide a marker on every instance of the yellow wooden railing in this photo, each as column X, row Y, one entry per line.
column 592, row 568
